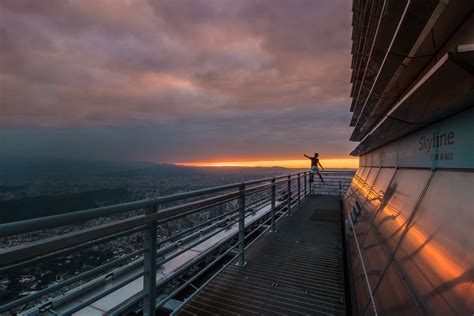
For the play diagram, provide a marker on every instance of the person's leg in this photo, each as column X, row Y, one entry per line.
column 320, row 177
column 311, row 177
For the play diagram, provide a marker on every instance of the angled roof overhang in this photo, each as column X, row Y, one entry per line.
column 446, row 89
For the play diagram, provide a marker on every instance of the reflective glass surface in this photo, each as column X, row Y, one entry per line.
column 391, row 296
column 407, row 186
column 375, row 258
column 359, row 171
column 362, row 187
column 372, row 176
column 378, row 193
column 365, row 173
column 437, row 252
column 360, row 285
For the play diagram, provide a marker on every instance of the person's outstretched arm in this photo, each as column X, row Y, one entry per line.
column 320, row 165
column 307, row 156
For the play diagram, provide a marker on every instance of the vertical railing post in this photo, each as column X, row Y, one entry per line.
column 273, row 205
column 299, row 190
column 305, row 184
column 289, row 195
column 340, row 189
column 149, row 260
column 241, row 259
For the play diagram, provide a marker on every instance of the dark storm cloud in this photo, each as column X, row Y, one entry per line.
column 170, row 78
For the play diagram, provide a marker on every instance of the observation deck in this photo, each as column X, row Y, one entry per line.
column 272, row 245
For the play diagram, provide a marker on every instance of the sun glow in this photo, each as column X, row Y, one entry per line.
column 302, row 163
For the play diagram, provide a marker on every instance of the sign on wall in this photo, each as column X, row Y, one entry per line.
column 446, row 144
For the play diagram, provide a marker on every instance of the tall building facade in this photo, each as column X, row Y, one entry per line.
column 410, row 208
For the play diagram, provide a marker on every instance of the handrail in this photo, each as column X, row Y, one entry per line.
column 144, row 262
column 29, row 225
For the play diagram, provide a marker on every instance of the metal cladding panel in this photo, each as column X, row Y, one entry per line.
column 389, row 18
column 407, row 186
column 391, row 296
column 363, row 160
column 430, row 51
column 368, row 159
column 433, row 98
column 376, row 158
column 437, row 252
column 412, row 30
column 361, row 87
column 388, row 155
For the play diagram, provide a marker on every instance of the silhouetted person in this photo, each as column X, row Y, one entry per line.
column 314, row 167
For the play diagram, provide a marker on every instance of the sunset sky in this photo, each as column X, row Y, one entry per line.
column 195, row 82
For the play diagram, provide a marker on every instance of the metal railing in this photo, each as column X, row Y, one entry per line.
column 252, row 207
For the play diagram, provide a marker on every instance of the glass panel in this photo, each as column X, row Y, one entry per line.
column 391, row 296
column 375, row 258
column 361, row 185
column 372, row 176
column 406, row 186
column 353, row 253
column 360, row 286
column 369, row 311
column 363, row 221
column 438, row 250
column 359, row 171
column 364, row 173
column 379, row 190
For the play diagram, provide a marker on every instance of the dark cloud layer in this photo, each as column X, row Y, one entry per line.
column 163, row 80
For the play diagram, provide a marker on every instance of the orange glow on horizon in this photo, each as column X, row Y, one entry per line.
column 301, row 163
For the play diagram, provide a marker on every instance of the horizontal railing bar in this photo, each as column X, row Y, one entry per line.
column 175, row 212
column 214, row 275
column 19, row 227
column 194, row 244
column 181, row 269
column 194, row 277
column 176, row 236
column 69, row 250
column 23, row 252
column 9, row 306
column 190, row 238
column 169, row 277
column 18, row 253
column 106, row 266
column 206, row 223
column 163, row 215
column 89, row 286
column 28, row 225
